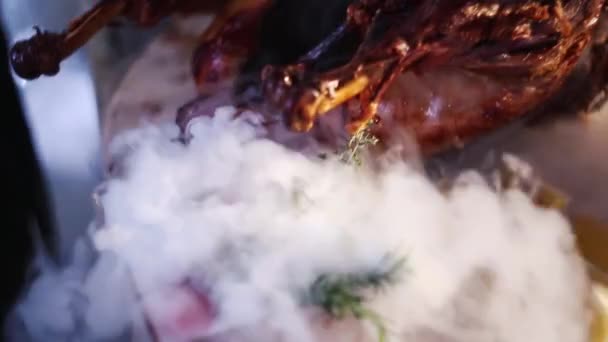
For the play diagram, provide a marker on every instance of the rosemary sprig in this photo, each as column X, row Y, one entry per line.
column 340, row 295
column 360, row 140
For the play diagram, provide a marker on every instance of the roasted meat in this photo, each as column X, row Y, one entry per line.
column 447, row 71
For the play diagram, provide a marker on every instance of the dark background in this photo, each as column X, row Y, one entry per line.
column 25, row 211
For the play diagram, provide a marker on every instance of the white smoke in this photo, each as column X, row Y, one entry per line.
column 219, row 240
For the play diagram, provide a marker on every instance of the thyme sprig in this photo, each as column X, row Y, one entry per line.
column 341, row 295
column 357, row 143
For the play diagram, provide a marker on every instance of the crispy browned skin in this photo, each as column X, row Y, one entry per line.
column 228, row 42
column 465, row 67
column 446, row 70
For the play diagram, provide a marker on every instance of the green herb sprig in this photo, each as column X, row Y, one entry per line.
column 340, row 295
column 359, row 141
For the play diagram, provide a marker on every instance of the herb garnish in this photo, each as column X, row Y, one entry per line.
column 357, row 143
column 340, row 295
